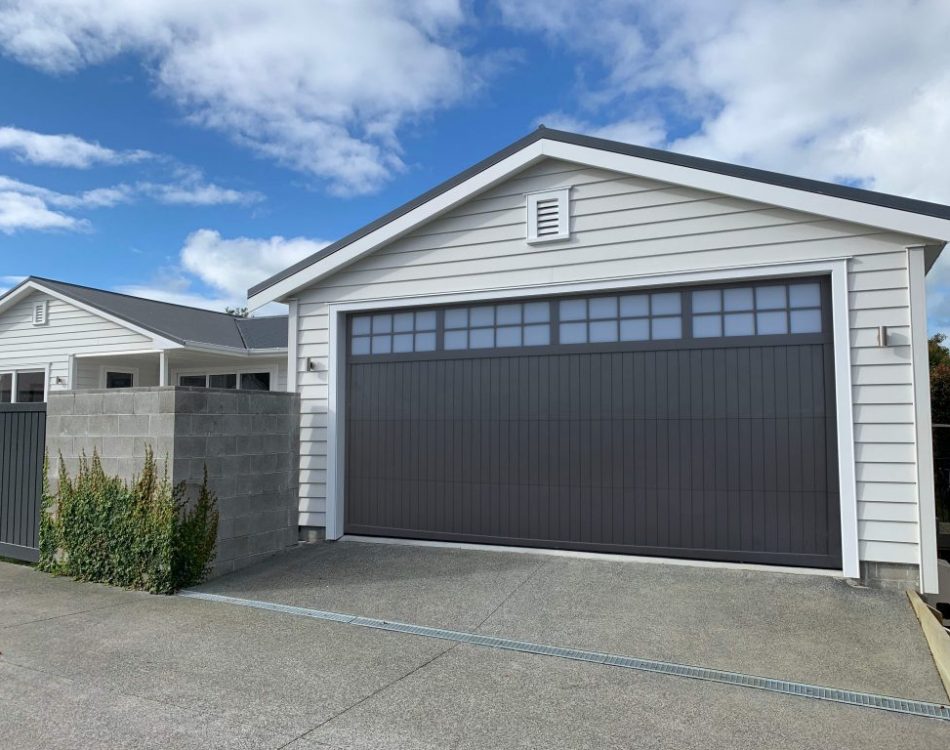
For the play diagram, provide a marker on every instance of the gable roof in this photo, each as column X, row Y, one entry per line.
column 905, row 215
column 178, row 323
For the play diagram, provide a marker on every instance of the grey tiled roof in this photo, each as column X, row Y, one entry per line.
column 182, row 324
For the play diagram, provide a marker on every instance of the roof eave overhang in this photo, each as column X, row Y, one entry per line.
column 843, row 209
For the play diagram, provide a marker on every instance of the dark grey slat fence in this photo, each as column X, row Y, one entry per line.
column 22, row 444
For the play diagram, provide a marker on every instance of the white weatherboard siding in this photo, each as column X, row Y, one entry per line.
column 624, row 226
column 69, row 329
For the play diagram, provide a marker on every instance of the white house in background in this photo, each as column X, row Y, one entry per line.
column 583, row 344
column 58, row 336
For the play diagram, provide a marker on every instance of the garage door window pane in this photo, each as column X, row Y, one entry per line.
column 573, row 309
column 361, row 325
column 573, row 333
column 769, row 297
column 508, row 314
column 382, row 344
column 806, row 321
column 804, row 295
column 509, row 336
column 456, row 317
column 382, row 323
column 665, row 304
column 602, row 307
column 739, row 324
column 602, row 331
column 705, row 326
column 737, row 299
column 635, row 330
column 634, row 306
column 402, row 322
column 537, row 312
column 402, row 342
column 667, row 328
column 425, row 342
column 360, row 345
column 456, row 340
column 481, row 316
column 425, row 320
column 707, row 301
column 772, row 323
column 537, row 335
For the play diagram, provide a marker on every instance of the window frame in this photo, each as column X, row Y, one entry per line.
column 104, row 371
column 15, row 383
column 686, row 341
column 207, row 372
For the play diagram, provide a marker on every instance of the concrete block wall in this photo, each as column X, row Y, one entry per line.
column 249, row 441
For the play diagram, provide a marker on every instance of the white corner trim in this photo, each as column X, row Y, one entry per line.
column 837, row 268
column 844, row 400
column 926, row 501
column 336, row 423
column 293, row 335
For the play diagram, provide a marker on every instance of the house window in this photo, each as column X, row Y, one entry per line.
column 249, row 381
column 549, row 216
column 767, row 310
column 498, row 326
column 30, row 387
column 6, row 387
column 393, row 333
column 255, row 381
column 115, row 379
column 625, row 317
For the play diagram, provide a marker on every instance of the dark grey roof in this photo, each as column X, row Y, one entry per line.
column 693, row 162
column 264, row 333
column 180, row 323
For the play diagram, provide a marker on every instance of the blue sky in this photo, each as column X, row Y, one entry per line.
column 184, row 150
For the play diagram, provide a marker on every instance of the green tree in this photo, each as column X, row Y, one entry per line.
column 237, row 312
column 939, row 379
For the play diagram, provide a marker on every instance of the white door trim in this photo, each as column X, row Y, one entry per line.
column 836, row 268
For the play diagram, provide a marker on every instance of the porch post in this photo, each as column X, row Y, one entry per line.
column 163, row 367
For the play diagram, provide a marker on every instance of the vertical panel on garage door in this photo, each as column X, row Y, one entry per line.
column 721, row 449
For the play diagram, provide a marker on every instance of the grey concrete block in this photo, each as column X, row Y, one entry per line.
column 60, row 403
column 131, row 425
column 221, row 445
column 191, row 401
column 88, row 403
column 190, row 446
column 144, row 402
column 167, row 398
column 102, row 425
column 161, row 424
column 73, row 425
column 117, row 402
column 889, row 576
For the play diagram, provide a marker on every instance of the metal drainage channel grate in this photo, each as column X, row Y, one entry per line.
column 803, row 690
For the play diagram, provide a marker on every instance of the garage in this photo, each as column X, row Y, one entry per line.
column 692, row 421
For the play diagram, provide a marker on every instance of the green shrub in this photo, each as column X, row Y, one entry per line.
column 139, row 535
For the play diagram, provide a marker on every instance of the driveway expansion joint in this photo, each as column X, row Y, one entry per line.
column 859, row 699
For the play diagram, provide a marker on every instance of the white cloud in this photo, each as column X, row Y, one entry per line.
column 318, row 85
column 198, row 193
column 19, row 211
column 845, row 90
column 214, row 272
column 8, row 282
column 62, row 150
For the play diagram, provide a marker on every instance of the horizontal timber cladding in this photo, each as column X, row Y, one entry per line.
column 717, row 447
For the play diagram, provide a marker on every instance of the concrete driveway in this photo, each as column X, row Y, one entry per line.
column 87, row 666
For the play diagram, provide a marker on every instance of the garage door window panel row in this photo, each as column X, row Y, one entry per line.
column 696, row 317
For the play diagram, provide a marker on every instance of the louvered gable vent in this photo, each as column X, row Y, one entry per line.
column 548, row 216
column 40, row 313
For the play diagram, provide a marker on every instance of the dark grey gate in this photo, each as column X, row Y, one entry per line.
column 717, row 449
column 22, row 445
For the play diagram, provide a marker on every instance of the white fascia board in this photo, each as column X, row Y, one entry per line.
column 842, row 209
column 400, row 226
column 159, row 341
column 194, row 346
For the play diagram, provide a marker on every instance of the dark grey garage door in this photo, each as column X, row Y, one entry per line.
column 689, row 423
